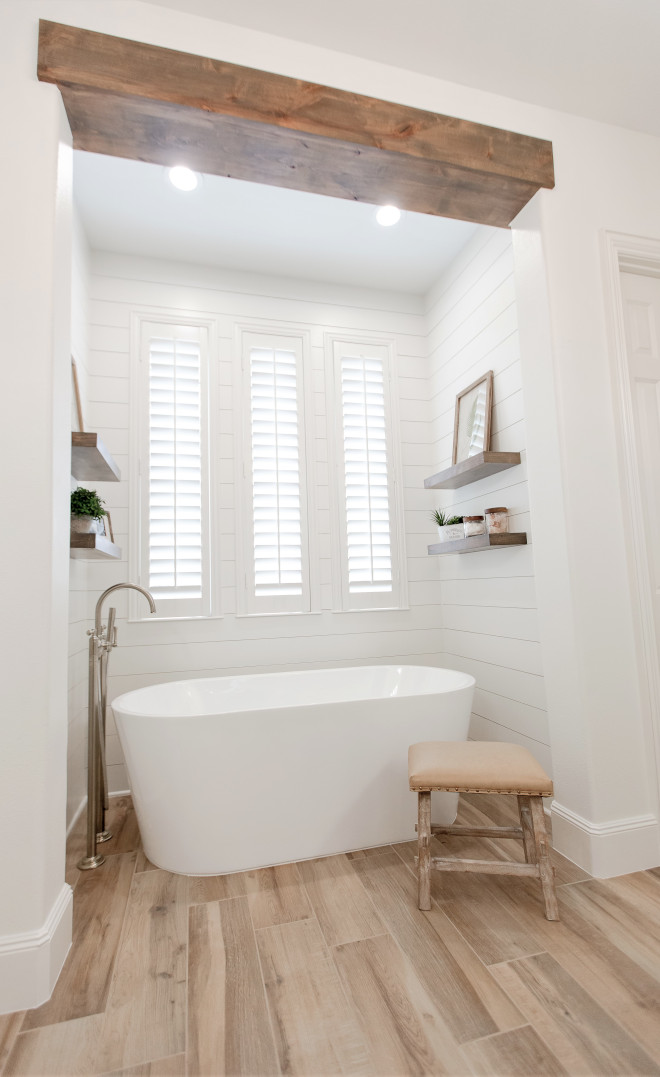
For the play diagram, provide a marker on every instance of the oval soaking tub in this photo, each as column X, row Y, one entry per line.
column 230, row 773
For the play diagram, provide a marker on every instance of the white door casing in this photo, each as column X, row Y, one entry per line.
column 641, row 305
column 633, row 317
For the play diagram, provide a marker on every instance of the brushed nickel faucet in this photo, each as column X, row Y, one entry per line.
column 102, row 638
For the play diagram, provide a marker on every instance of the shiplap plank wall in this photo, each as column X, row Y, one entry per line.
column 151, row 653
column 474, row 612
column 78, row 595
column 488, row 603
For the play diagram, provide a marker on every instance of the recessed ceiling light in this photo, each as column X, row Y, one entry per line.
column 184, row 179
column 388, row 215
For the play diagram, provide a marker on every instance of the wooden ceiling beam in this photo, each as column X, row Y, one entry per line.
column 166, row 107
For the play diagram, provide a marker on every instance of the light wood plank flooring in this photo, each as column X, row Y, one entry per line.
column 327, row 967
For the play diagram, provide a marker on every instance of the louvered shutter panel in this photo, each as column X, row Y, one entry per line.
column 276, row 494
column 175, row 468
column 369, row 555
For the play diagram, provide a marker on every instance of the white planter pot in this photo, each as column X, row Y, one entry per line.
column 451, row 532
column 87, row 525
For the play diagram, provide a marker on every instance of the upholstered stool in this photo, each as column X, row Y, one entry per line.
column 483, row 767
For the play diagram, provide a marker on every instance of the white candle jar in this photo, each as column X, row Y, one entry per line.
column 497, row 521
column 474, row 525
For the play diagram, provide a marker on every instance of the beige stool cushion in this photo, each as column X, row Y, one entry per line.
column 476, row 767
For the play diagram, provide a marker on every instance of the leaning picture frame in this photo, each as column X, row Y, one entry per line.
column 472, row 419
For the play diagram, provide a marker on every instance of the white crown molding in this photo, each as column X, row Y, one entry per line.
column 31, row 961
column 617, row 847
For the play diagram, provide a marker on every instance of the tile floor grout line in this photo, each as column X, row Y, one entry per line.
column 187, row 992
column 120, row 938
column 352, row 942
column 271, row 1025
column 577, row 882
column 503, row 1032
column 520, row 957
column 268, row 927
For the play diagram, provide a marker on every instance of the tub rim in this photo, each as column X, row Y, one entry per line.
column 118, row 705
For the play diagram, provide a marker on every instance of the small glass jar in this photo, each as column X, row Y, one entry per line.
column 474, row 525
column 497, row 521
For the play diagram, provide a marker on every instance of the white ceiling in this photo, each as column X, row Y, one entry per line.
column 131, row 207
column 596, row 58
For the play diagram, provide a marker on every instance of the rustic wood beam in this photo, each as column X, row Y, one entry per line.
column 158, row 105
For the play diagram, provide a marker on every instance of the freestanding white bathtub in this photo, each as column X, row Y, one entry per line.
column 231, row 773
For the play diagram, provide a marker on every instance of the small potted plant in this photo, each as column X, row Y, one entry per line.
column 87, row 512
column 449, row 527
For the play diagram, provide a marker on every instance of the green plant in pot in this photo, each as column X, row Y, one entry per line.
column 87, row 512
column 449, row 527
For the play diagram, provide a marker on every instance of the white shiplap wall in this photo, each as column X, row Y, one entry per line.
column 78, row 599
column 488, row 601
column 159, row 651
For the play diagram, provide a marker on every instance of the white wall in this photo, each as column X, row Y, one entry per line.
column 488, row 600
column 154, row 651
column 78, row 604
column 35, row 903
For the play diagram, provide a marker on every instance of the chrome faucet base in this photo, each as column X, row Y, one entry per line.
column 88, row 862
column 102, row 639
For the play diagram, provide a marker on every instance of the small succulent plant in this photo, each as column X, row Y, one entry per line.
column 442, row 519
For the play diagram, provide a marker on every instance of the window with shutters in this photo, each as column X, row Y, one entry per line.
column 173, row 468
column 276, row 577
column 369, row 512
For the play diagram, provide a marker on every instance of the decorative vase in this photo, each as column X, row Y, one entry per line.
column 88, row 525
column 451, row 532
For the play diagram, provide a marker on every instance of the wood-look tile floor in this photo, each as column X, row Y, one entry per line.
column 327, row 967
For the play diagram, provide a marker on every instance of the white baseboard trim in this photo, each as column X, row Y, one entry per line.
column 30, row 962
column 617, row 847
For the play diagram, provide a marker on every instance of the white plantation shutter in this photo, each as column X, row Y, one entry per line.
column 277, row 579
column 367, row 503
column 275, row 472
column 174, row 468
column 365, row 474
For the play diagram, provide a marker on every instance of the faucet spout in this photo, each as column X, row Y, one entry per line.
column 118, row 587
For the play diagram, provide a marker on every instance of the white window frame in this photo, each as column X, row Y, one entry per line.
column 144, row 326
column 371, row 346
column 292, row 338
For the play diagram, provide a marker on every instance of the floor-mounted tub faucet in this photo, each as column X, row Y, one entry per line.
column 102, row 638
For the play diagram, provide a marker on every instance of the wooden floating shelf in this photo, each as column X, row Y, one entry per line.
column 90, row 547
column 480, row 542
column 90, row 460
column 471, row 470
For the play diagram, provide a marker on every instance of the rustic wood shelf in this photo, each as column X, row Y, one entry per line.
column 90, row 459
column 476, row 467
column 90, row 547
column 480, row 542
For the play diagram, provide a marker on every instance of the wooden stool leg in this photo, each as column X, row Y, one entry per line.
column 424, row 851
column 527, row 830
column 546, row 869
